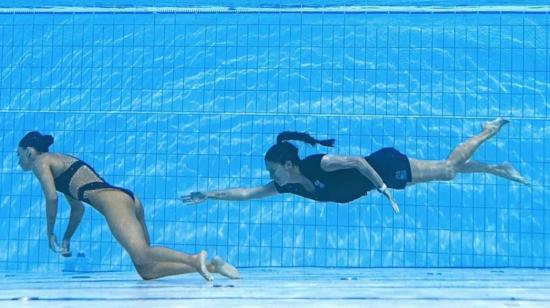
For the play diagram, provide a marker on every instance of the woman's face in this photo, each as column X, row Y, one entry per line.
column 24, row 155
column 278, row 172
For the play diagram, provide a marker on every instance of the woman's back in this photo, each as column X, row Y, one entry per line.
column 71, row 174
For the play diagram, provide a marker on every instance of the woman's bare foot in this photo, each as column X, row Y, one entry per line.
column 506, row 170
column 495, row 125
column 217, row 265
column 200, row 265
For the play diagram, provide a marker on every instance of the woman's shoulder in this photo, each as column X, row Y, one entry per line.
column 54, row 159
column 46, row 158
column 42, row 163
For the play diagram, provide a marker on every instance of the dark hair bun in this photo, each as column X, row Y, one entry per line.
column 36, row 140
column 47, row 140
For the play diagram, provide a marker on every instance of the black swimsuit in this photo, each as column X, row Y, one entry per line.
column 86, row 180
column 346, row 185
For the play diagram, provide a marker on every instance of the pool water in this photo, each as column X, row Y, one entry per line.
column 166, row 101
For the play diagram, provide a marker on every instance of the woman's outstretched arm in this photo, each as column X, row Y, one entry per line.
column 234, row 194
column 333, row 162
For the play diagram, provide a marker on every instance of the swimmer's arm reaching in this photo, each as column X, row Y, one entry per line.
column 41, row 169
column 333, row 163
column 234, row 194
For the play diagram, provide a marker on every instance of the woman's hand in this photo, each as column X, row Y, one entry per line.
column 393, row 204
column 194, row 198
column 65, row 249
column 52, row 241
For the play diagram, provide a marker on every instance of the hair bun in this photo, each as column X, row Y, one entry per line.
column 47, row 140
column 36, row 140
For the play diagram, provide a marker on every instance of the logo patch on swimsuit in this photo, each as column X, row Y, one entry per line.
column 401, row 175
column 319, row 184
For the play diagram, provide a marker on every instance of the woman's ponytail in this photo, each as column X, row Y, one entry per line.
column 285, row 151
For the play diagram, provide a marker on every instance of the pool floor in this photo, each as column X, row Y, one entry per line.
column 289, row 287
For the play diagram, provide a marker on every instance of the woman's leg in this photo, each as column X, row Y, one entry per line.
column 150, row 262
column 218, row 265
column 459, row 160
column 430, row 170
column 140, row 214
column 504, row 170
column 464, row 151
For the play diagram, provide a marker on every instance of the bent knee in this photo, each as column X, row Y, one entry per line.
column 449, row 172
column 146, row 270
column 144, row 264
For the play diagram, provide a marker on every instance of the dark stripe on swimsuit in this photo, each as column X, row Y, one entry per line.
column 63, row 181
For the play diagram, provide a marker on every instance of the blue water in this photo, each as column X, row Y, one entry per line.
column 166, row 104
column 265, row 3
